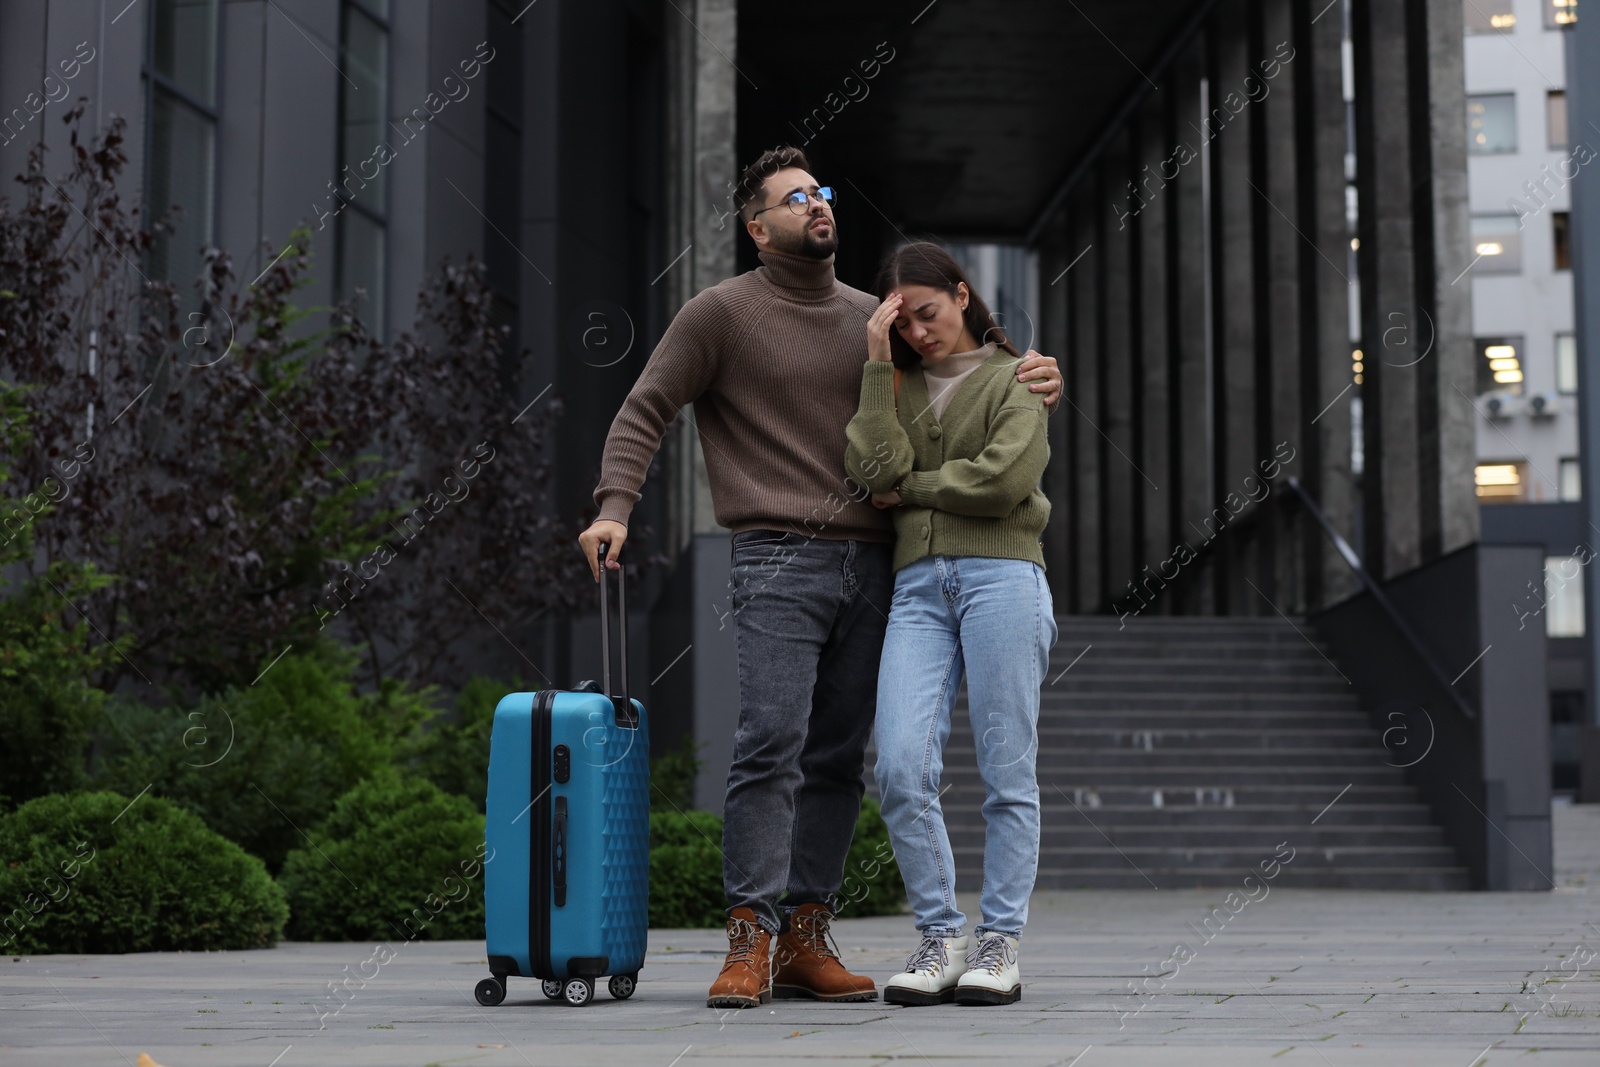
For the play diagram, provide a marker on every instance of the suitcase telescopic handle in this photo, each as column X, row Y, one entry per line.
column 625, row 716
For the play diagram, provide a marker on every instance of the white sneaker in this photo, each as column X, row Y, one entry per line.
column 931, row 973
column 991, row 976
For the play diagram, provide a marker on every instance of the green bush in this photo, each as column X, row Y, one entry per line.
column 672, row 776
column 397, row 857
column 92, row 872
column 872, row 884
column 686, row 870
column 453, row 751
column 262, row 763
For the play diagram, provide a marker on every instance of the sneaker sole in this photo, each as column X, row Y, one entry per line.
column 978, row 995
column 916, row 998
column 738, row 1002
column 795, row 992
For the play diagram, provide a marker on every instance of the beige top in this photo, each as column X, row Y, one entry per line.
column 946, row 376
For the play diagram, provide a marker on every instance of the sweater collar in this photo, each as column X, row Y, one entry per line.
column 958, row 363
column 799, row 277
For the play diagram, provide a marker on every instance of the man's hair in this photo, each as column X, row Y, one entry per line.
column 750, row 191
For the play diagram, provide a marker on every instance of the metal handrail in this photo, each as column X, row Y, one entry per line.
column 1370, row 583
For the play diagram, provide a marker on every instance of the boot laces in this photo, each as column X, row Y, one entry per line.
column 992, row 953
column 929, row 956
column 742, row 935
column 815, row 932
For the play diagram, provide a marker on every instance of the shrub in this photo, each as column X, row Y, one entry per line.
column 672, row 776
column 453, row 752
column 396, row 856
column 686, row 870
column 92, row 872
column 262, row 763
column 872, row 884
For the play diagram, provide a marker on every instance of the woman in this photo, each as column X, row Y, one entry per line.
column 948, row 437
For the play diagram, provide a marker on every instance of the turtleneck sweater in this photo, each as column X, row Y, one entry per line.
column 771, row 362
column 945, row 376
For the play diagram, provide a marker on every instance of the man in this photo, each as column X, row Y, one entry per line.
column 772, row 362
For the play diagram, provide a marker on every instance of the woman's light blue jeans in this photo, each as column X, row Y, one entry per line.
column 991, row 620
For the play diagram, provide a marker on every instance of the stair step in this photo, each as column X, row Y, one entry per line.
column 1242, row 858
column 1062, row 833
column 1145, row 699
column 1056, row 738
column 964, row 757
column 1291, row 877
column 963, row 797
column 1156, row 680
column 1204, row 818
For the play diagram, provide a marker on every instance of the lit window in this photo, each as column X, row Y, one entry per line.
column 1566, row 363
column 1563, row 597
column 1492, row 123
column 1499, row 481
column 1571, row 484
column 1496, row 244
column 1499, row 364
column 1558, row 13
column 1488, row 16
column 1555, row 115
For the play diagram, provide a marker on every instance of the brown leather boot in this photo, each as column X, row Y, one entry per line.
column 746, row 978
column 807, row 966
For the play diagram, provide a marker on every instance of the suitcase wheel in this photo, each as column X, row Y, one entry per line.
column 551, row 988
column 578, row 991
column 490, row 991
column 623, row 985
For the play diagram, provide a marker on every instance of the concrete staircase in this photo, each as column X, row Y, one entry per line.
column 1179, row 752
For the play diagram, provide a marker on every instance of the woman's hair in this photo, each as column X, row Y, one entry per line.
column 925, row 263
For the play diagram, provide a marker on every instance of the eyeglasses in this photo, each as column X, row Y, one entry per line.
column 800, row 202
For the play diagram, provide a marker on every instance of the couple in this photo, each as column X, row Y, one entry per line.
column 864, row 452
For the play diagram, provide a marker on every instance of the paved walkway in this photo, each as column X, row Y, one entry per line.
column 1317, row 977
column 1300, row 976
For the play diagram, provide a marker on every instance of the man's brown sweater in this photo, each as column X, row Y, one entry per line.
column 771, row 361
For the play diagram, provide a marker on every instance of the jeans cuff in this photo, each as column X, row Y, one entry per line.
column 943, row 932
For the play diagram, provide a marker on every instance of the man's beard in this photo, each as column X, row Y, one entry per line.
column 810, row 245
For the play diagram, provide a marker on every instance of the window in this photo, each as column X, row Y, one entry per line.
column 359, row 258
column 1555, row 117
column 1563, row 596
column 180, row 85
column 1566, row 363
column 1499, row 364
column 1492, row 123
column 1558, row 13
column 1561, row 223
column 1571, row 487
column 1499, row 483
column 1496, row 244
column 1488, row 16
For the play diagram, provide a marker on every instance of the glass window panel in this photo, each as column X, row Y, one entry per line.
column 1558, row 13
column 361, row 266
column 180, row 175
column 1499, row 363
column 1500, row 483
column 1571, row 484
column 185, row 45
column 366, row 62
column 1561, row 225
column 1563, row 596
column 1492, row 123
column 1555, row 102
column 1496, row 244
column 1566, row 362
column 1488, row 16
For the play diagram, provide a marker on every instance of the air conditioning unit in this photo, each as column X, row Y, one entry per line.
column 1543, row 405
column 1501, row 404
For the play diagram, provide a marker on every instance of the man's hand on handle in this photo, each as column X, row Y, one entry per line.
column 603, row 530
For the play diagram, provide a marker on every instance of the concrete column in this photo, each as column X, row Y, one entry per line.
column 1083, row 391
column 1445, row 414
column 1154, row 427
column 1226, row 127
column 1384, row 98
column 1055, row 259
column 1187, row 286
column 1118, row 473
column 1322, row 458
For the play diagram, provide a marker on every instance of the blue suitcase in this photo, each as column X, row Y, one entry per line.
column 566, row 881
